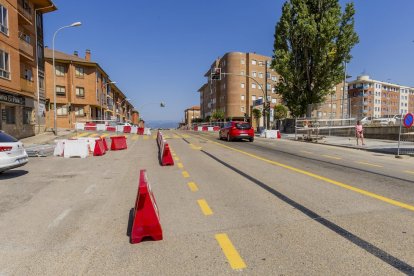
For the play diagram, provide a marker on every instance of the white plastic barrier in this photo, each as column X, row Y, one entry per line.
column 90, row 141
column 147, row 131
column 210, row 128
column 59, row 148
column 80, row 126
column 120, row 128
column 272, row 134
column 199, row 128
column 76, row 148
column 100, row 127
column 134, row 129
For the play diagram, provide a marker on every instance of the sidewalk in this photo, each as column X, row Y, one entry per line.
column 45, row 138
column 374, row 145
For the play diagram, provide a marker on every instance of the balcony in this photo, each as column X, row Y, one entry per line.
column 26, row 48
column 25, row 10
column 27, row 85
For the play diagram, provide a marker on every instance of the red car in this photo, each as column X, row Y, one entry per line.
column 236, row 130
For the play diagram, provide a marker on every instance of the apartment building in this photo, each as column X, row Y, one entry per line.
column 376, row 99
column 335, row 105
column 245, row 80
column 84, row 91
column 22, row 65
column 190, row 114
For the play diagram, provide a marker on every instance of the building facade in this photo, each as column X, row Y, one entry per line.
column 22, row 65
column 84, row 92
column 246, row 79
column 190, row 114
column 373, row 98
column 335, row 105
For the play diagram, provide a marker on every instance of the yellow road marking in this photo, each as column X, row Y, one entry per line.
column 176, row 136
column 368, row 164
column 412, row 172
column 204, row 207
column 328, row 180
column 308, row 152
column 154, row 137
column 194, row 147
column 104, row 135
column 93, row 135
column 83, row 134
column 166, row 137
column 193, row 187
column 176, row 159
column 332, row 157
column 236, row 262
column 173, row 154
column 135, row 137
column 180, row 165
column 185, row 174
column 146, row 137
column 186, row 136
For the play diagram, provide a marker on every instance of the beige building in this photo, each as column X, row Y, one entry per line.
column 190, row 114
column 84, row 92
column 245, row 80
column 22, row 65
column 335, row 105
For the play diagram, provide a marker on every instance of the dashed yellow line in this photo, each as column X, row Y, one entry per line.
column 325, row 179
column 235, row 261
column 368, row 164
column 154, row 137
column 93, row 135
column 193, row 187
column 173, row 154
column 411, row 172
column 185, row 174
column 204, row 207
column 307, row 152
column 176, row 136
column 331, row 157
column 180, row 165
column 176, row 158
column 146, row 137
column 104, row 135
column 83, row 134
column 134, row 138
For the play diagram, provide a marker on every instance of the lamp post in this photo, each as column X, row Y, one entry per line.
column 106, row 95
column 75, row 24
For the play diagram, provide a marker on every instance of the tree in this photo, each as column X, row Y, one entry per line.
column 280, row 114
column 257, row 114
column 217, row 115
column 313, row 41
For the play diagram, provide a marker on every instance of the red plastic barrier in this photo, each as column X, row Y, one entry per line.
column 205, row 128
column 146, row 216
column 140, row 131
column 99, row 148
column 118, row 142
column 104, row 143
column 278, row 135
column 90, row 126
column 110, row 128
column 195, row 128
column 216, row 128
column 127, row 129
column 166, row 157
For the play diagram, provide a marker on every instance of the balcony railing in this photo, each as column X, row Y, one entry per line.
column 27, row 85
column 25, row 10
column 26, row 48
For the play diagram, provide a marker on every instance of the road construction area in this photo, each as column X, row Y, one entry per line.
column 271, row 207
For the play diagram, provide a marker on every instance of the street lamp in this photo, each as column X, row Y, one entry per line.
column 106, row 95
column 75, row 24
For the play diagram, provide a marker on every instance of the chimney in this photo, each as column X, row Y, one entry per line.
column 75, row 53
column 88, row 55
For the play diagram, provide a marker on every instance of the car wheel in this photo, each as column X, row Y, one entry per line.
column 251, row 139
column 228, row 138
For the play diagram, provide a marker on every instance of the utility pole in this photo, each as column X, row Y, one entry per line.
column 266, row 117
column 343, row 92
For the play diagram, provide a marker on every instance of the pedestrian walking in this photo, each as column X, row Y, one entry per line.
column 359, row 132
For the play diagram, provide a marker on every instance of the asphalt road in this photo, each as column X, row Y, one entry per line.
column 271, row 207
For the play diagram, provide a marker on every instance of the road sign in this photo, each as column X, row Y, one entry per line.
column 408, row 120
column 258, row 102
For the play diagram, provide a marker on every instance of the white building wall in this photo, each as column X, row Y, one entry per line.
column 403, row 105
column 377, row 100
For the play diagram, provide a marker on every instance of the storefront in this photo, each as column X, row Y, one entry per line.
column 17, row 115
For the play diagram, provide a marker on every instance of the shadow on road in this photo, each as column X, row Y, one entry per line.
column 12, row 174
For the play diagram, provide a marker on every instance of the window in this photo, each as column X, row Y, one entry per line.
column 253, row 85
column 79, row 72
column 242, row 97
column 254, row 74
column 27, row 115
column 80, row 92
column 4, row 65
column 269, row 98
column 253, row 97
column 79, row 111
column 62, row 110
column 242, row 73
column 242, row 109
column 60, row 90
column 334, row 106
column 261, row 75
column 28, row 75
column 254, row 62
column 60, row 70
column 268, row 86
column 242, row 85
column 10, row 114
column 242, row 61
column 273, row 100
column 41, row 82
column 260, row 63
column 274, row 78
column 4, row 25
column 268, row 75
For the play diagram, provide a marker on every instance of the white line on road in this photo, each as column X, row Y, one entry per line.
column 89, row 189
column 59, row 218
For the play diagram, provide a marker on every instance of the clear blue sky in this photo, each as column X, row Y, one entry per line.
column 159, row 50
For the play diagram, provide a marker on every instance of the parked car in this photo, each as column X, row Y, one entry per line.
column 387, row 120
column 12, row 153
column 235, row 130
column 366, row 120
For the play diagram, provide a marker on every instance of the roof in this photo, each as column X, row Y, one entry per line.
column 64, row 56
column 44, row 5
column 196, row 107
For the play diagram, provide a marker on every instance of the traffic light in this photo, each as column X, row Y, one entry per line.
column 216, row 74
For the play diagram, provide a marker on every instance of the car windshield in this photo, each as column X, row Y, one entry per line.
column 243, row 125
column 5, row 138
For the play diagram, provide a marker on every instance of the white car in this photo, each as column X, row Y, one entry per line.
column 12, row 153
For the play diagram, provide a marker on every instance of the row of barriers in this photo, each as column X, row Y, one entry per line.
column 85, row 146
column 164, row 151
column 206, row 128
column 112, row 128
